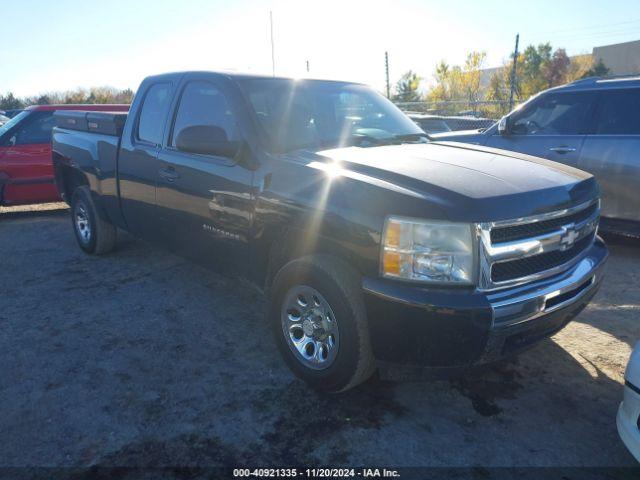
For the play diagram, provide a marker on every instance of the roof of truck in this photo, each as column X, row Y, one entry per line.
column 102, row 107
column 245, row 76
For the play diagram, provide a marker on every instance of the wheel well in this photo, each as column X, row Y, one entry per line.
column 69, row 180
column 293, row 243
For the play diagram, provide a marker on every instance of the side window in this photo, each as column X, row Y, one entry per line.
column 619, row 113
column 36, row 130
column 203, row 104
column 555, row 114
column 287, row 117
column 153, row 113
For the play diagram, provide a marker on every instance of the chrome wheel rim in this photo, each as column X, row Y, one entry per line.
column 83, row 227
column 310, row 327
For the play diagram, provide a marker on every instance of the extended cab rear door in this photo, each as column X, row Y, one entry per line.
column 206, row 200
column 552, row 126
column 138, row 159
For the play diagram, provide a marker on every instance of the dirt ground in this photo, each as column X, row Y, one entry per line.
column 142, row 358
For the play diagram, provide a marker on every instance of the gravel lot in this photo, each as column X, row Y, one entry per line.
column 142, row 358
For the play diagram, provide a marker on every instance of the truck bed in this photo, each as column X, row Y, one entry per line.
column 106, row 123
column 90, row 141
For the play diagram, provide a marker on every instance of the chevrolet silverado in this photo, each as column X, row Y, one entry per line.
column 376, row 248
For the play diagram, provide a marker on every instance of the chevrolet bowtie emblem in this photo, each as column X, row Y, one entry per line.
column 568, row 238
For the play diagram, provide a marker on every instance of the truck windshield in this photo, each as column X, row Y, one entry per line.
column 14, row 121
column 314, row 114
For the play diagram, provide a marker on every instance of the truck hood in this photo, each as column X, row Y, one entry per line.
column 468, row 182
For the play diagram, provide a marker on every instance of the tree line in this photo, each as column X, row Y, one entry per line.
column 537, row 68
column 80, row 95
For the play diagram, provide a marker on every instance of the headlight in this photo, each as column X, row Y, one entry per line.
column 428, row 251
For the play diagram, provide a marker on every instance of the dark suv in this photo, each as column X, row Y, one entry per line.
column 592, row 124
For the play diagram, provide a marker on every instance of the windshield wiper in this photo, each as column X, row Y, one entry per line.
column 363, row 139
column 412, row 137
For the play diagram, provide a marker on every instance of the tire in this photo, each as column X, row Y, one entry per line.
column 94, row 235
column 341, row 355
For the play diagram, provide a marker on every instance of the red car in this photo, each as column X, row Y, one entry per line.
column 26, row 170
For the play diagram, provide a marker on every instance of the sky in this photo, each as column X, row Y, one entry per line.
column 64, row 44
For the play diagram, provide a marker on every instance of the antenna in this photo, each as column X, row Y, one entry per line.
column 386, row 69
column 273, row 56
column 513, row 73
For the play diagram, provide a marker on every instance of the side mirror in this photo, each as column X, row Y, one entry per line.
column 206, row 140
column 504, row 125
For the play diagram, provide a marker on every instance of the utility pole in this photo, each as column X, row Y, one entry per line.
column 273, row 56
column 513, row 73
column 386, row 68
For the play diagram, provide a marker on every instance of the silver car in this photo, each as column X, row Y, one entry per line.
column 592, row 124
column 628, row 419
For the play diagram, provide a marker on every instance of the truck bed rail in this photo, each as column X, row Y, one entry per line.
column 106, row 123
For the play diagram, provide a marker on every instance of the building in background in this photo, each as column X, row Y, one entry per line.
column 620, row 58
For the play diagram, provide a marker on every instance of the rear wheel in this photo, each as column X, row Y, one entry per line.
column 318, row 319
column 94, row 234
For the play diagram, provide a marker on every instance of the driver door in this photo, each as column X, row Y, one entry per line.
column 553, row 127
column 205, row 200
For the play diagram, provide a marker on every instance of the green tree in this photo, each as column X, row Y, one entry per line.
column 43, row 100
column 498, row 91
column 76, row 96
column 407, row 88
column 470, row 78
column 598, row 69
column 535, row 62
column 578, row 67
column 9, row 102
column 439, row 92
column 124, row 96
column 555, row 71
column 455, row 83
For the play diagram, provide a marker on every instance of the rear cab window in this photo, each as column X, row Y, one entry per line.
column 153, row 113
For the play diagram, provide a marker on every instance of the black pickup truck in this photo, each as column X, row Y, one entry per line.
column 375, row 246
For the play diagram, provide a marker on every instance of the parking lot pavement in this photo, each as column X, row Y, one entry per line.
column 142, row 358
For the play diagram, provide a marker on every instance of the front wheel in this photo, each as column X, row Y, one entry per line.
column 318, row 319
column 94, row 234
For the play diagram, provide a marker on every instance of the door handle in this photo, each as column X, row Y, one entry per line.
column 562, row 149
column 169, row 174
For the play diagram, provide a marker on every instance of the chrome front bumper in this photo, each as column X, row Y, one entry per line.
column 528, row 302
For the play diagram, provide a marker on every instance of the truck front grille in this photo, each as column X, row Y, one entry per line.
column 527, row 230
column 527, row 249
column 527, row 266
